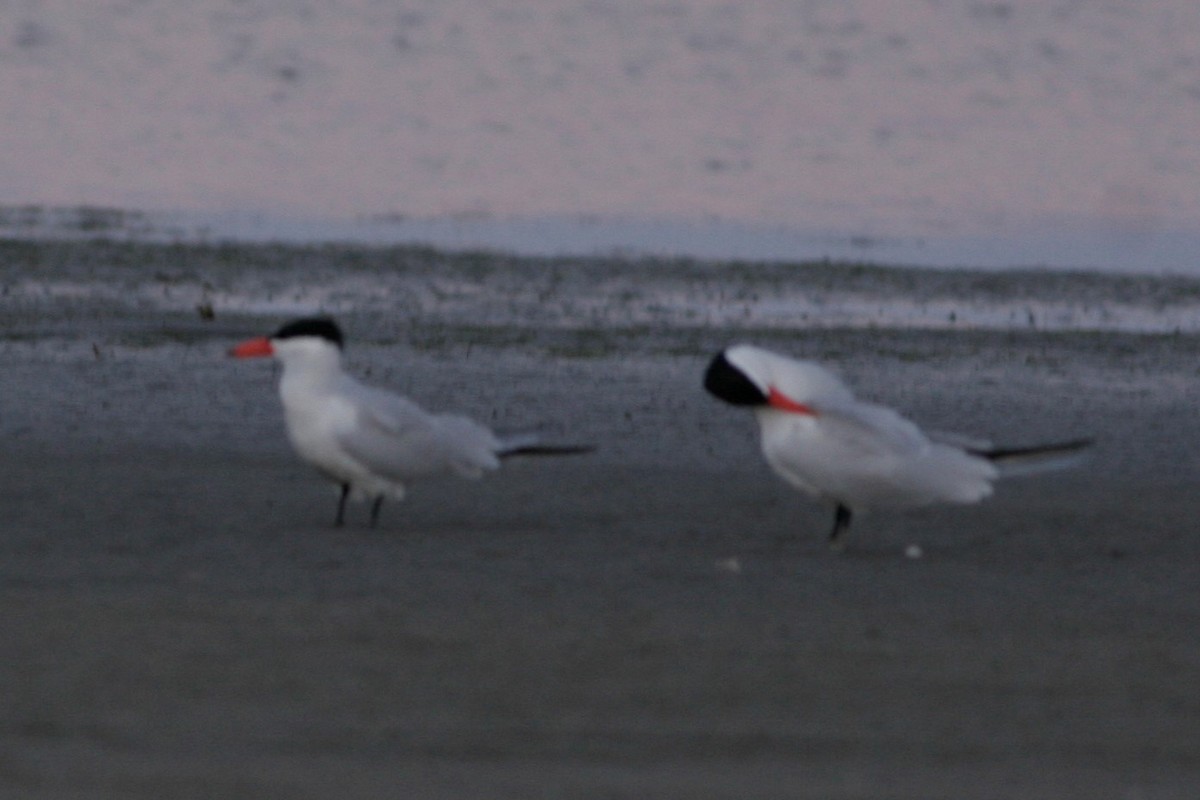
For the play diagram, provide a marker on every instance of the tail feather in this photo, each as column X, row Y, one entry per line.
column 1037, row 458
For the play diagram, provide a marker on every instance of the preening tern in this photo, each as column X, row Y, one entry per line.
column 369, row 441
column 819, row 438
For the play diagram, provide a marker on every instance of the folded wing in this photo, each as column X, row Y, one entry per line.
column 396, row 438
column 865, row 456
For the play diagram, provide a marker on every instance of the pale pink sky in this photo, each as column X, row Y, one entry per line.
column 874, row 117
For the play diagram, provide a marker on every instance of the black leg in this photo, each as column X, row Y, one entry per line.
column 841, row 521
column 341, row 512
column 378, row 504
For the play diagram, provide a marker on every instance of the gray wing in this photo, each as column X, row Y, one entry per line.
column 869, row 430
column 870, row 456
column 396, row 438
column 972, row 444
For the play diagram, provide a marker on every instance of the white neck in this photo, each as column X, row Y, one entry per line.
column 310, row 366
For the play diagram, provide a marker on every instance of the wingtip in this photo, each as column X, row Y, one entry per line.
column 1015, row 461
column 1054, row 448
column 548, row 450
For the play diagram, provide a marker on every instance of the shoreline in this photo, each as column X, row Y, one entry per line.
column 1078, row 245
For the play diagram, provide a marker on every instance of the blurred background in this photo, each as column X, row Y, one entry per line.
column 974, row 132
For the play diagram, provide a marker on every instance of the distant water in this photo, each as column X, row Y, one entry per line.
column 959, row 132
column 1065, row 248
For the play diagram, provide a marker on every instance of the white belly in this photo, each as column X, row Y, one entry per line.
column 313, row 425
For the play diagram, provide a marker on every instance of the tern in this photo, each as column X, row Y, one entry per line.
column 860, row 456
column 370, row 442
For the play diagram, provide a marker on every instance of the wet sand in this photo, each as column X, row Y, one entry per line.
column 659, row 619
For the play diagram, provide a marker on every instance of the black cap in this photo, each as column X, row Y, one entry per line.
column 727, row 382
column 321, row 327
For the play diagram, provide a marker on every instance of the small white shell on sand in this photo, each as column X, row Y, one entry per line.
column 732, row 565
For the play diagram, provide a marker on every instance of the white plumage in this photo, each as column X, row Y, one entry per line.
column 369, row 441
column 858, row 456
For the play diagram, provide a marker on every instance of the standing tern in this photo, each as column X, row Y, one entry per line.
column 858, row 456
column 372, row 443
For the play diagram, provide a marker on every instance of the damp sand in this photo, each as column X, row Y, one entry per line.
column 660, row 619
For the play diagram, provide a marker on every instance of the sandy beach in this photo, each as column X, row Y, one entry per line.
column 660, row 619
